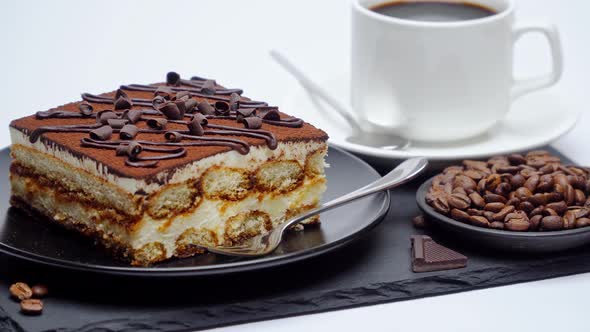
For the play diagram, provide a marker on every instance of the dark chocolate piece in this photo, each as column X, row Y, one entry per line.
column 428, row 256
column 164, row 92
column 85, row 108
column 104, row 116
column 205, row 108
column 221, row 108
column 157, row 123
column 117, row 123
column 171, row 111
column 195, row 127
column 132, row 115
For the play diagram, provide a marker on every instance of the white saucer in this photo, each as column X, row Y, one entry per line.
column 535, row 120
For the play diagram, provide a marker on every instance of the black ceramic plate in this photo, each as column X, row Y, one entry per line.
column 526, row 242
column 42, row 242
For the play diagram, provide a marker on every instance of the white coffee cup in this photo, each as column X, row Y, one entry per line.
column 439, row 81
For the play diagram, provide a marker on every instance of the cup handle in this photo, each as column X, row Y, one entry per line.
column 524, row 86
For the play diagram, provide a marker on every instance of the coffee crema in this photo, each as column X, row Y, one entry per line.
column 433, row 11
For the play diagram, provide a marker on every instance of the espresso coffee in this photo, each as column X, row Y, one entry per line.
column 433, row 11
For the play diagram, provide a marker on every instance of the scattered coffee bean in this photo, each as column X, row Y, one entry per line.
column 582, row 222
column 39, row 291
column 418, row 221
column 551, row 223
column 31, row 306
column 494, row 207
column 20, row 291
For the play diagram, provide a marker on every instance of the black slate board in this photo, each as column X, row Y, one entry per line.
column 373, row 270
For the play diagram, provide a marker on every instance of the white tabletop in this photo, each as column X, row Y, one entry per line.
column 54, row 50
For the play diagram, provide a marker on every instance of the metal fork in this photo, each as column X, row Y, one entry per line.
column 266, row 243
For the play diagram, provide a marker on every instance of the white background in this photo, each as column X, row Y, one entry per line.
column 51, row 51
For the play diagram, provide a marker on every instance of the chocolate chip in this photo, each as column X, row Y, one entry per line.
column 195, row 128
column 173, row 78
column 104, row 116
column 31, row 306
column 173, row 136
column 208, row 87
column 128, row 132
column 85, row 108
column 102, row 134
column 39, row 291
column 164, row 91
column 132, row 115
column 269, row 113
column 222, row 108
column 20, row 291
column 117, row 123
column 205, row 108
column 157, row 123
column 171, row 111
column 253, row 122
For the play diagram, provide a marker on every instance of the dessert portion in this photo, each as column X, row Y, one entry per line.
column 162, row 170
column 532, row 192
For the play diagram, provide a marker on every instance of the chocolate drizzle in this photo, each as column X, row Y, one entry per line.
column 172, row 103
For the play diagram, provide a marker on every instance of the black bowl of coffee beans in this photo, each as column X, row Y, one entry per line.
column 530, row 203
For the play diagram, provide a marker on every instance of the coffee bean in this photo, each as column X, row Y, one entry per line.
column 523, row 193
column 489, row 215
column 494, row 198
column 477, row 200
column 580, row 197
column 464, row 182
column 476, row 165
column 517, row 181
column 499, row 161
column 582, row 222
column 578, row 182
column 453, row 170
column 459, row 201
column 535, row 221
column 569, row 219
column 479, row 221
column 569, row 195
column 516, row 159
column 545, row 183
column 481, row 186
column 517, row 221
column 526, row 206
column 551, row 223
column 582, row 212
column 538, row 199
column 474, row 174
column 548, row 168
column 532, row 182
column 549, row 212
column 31, row 306
column 475, row 212
column 492, row 181
column 508, row 169
column 503, row 189
column 561, row 180
column 497, row 225
column 458, row 190
column 558, row 207
column 39, row 291
column 441, row 204
column 20, row 291
column 494, row 207
column 499, row 216
column 513, row 201
column 537, row 210
column 460, row 215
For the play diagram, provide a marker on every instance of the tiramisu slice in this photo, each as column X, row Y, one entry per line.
column 155, row 171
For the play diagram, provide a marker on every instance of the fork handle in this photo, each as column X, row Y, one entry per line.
column 403, row 173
